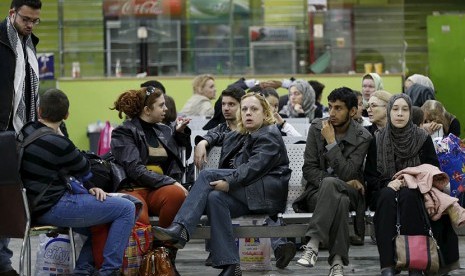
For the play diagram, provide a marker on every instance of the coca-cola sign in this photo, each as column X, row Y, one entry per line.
column 132, row 7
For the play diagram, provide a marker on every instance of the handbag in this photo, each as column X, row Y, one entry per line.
column 157, row 263
column 139, row 244
column 416, row 252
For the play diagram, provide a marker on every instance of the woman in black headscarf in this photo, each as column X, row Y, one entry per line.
column 399, row 145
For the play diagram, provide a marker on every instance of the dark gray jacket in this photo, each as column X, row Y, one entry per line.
column 345, row 159
column 261, row 168
column 131, row 150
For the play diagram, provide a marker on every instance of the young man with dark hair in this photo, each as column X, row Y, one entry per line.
column 336, row 149
column 20, row 82
column 44, row 166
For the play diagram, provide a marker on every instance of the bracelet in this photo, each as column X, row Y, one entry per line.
column 281, row 125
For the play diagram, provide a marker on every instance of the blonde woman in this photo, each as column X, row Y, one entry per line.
column 200, row 103
column 258, row 164
column 437, row 119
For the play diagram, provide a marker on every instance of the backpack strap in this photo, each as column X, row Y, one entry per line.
column 23, row 143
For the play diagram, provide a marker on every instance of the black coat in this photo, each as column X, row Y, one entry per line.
column 7, row 75
column 131, row 150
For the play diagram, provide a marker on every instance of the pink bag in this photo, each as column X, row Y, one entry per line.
column 105, row 139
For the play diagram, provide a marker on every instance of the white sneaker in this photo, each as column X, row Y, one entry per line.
column 308, row 258
column 336, row 270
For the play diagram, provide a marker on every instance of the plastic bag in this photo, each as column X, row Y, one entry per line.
column 451, row 156
column 105, row 139
column 255, row 253
column 53, row 255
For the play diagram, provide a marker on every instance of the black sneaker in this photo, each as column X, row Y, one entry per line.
column 284, row 254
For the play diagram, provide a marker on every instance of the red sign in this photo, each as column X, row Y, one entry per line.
column 132, row 7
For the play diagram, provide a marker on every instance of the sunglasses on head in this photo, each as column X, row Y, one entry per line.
column 149, row 91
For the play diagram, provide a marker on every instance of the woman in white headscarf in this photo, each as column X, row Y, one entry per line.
column 419, row 79
column 371, row 82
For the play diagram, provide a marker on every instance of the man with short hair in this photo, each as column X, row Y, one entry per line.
column 334, row 155
column 20, row 82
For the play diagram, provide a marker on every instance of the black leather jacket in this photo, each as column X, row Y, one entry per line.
column 131, row 150
column 7, row 75
column 261, row 168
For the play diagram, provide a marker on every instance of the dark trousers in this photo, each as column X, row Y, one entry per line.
column 329, row 223
column 412, row 223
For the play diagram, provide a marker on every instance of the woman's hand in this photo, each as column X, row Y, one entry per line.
column 220, row 185
column 98, row 193
column 181, row 124
column 432, row 127
column 395, row 184
column 186, row 192
column 279, row 119
column 200, row 154
column 298, row 108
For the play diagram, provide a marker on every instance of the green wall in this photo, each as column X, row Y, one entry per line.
column 91, row 99
column 446, row 36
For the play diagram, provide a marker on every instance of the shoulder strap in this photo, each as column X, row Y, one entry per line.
column 23, row 143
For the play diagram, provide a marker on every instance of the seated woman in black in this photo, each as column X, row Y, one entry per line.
column 399, row 145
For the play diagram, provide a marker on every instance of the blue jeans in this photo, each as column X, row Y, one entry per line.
column 84, row 210
column 220, row 207
column 5, row 255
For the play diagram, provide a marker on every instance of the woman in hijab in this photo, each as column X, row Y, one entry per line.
column 301, row 101
column 418, row 79
column 371, row 82
column 399, row 145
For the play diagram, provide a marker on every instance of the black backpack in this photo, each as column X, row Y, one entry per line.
column 22, row 143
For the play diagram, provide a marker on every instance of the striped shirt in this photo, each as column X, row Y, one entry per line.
column 42, row 161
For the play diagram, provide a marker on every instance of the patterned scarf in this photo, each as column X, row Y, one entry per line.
column 398, row 148
column 19, row 105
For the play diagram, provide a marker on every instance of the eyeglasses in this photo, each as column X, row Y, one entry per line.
column 27, row 20
column 372, row 105
column 149, row 91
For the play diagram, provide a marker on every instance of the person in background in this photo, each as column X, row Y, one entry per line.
column 150, row 153
column 200, row 103
column 333, row 162
column 417, row 116
column 401, row 144
column 364, row 121
column 318, row 88
column 419, row 79
column 254, row 158
column 301, row 102
column 420, row 94
column 45, row 164
column 377, row 110
column 171, row 112
column 20, row 82
column 436, row 118
column 273, row 99
column 371, row 82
